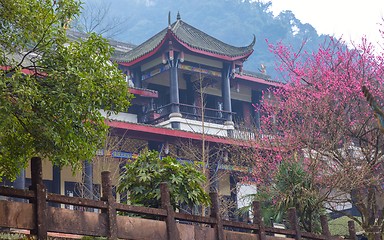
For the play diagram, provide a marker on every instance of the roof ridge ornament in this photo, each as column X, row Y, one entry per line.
column 169, row 19
column 178, row 16
column 253, row 41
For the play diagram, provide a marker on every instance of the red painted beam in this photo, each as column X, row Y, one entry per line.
column 153, row 132
column 144, row 92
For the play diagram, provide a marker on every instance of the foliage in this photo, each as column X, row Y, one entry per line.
column 322, row 115
column 9, row 236
column 93, row 238
column 291, row 186
column 339, row 226
column 295, row 188
column 51, row 89
column 142, row 178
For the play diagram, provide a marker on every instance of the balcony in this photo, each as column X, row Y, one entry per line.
column 191, row 112
column 192, row 118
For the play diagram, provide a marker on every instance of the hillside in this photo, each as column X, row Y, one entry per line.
column 232, row 21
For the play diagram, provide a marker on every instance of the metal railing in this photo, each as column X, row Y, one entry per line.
column 157, row 115
column 161, row 114
column 210, row 115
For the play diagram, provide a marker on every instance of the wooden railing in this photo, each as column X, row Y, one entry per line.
column 111, row 220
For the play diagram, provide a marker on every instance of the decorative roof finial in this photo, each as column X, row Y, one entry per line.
column 178, row 15
column 169, row 18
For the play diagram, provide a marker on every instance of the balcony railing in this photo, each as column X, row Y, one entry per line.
column 188, row 111
column 157, row 115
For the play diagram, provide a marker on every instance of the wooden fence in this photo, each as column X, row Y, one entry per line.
column 40, row 218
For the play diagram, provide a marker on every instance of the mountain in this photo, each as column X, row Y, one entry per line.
column 231, row 21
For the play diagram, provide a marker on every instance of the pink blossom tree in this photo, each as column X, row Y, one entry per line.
column 321, row 118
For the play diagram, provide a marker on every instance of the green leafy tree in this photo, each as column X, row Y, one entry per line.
column 51, row 89
column 295, row 188
column 142, row 178
column 292, row 186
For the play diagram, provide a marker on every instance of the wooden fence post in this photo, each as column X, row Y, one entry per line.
column 40, row 201
column 351, row 230
column 376, row 233
column 172, row 231
column 257, row 220
column 111, row 206
column 294, row 222
column 215, row 213
column 324, row 227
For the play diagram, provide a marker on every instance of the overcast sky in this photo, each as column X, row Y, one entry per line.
column 350, row 18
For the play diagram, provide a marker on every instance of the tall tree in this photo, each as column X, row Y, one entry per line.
column 51, row 89
column 292, row 186
column 321, row 113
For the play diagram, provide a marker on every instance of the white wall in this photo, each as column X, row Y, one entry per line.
column 243, row 194
column 124, row 117
column 196, row 126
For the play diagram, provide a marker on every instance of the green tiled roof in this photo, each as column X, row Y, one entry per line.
column 120, row 47
column 192, row 37
column 142, row 49
column 260, row 75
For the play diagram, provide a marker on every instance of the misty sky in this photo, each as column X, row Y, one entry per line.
column 350, row 18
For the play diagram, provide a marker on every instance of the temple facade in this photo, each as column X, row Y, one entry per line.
column 197, row 78
column 190, row 93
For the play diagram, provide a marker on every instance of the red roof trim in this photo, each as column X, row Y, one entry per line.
column 172, row 133
column 258, row 80
column 144, row 93
column 24, row 70
column 147, row 55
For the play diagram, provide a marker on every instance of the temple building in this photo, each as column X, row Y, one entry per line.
column 191, row 92
column 180, row 63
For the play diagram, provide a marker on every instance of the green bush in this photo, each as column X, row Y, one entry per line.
column 142, row 178
column 12, row 236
